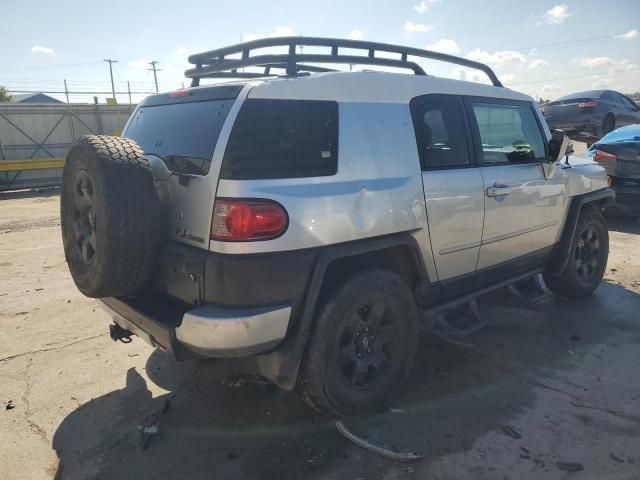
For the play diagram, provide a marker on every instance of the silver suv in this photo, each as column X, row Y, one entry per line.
column 315, row 220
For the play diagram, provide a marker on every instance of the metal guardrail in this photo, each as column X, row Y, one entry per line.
column 30, row 164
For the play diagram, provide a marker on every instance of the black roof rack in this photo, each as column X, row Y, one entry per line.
column 215, row 64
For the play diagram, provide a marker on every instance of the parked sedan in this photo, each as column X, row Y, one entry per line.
column 619, row 153
column 593, row 113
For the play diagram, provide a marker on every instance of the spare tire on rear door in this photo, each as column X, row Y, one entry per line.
column 110, row 216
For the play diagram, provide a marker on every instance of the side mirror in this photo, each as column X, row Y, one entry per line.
column 557, row 146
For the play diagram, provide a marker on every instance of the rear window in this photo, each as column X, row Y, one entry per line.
column 183, row 135
column 282, row 139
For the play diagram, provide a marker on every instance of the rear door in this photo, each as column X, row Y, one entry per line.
column 181, row 130
column 628, row 112
column 522, row 209
column 453, row 189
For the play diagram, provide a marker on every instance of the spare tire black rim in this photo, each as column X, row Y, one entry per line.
column 84, row 217
column 587, row 254
column 366, row 340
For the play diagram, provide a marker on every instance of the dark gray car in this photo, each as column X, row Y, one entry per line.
column 592, row 113
column 619, row 153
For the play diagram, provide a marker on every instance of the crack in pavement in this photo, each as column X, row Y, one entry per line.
column 18, row 355
column 33, row 426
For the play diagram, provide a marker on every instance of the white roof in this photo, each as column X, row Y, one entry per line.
column 372, row 87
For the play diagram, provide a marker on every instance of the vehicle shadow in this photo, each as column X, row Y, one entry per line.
column 218, row 422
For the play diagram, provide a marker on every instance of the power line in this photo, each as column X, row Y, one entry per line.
column 41, row 67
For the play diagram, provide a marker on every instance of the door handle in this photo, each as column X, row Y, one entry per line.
column 499, row 191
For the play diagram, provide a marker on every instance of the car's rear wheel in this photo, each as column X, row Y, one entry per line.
column 608, row 124
column 362, row 347
column 587, row 260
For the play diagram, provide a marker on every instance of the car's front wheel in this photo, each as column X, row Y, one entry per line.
column 587, row 260
column 362, row 346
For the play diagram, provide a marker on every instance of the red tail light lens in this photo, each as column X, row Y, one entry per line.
column 600, row 155
column 589, row 104
column 246, row 220
column 179, row 93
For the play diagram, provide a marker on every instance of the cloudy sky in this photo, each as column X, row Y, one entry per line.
column 544, row 48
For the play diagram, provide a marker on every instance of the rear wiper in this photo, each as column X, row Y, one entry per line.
column 185, row 164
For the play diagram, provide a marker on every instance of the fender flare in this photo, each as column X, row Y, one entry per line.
column 560, row 255
column 281, row 366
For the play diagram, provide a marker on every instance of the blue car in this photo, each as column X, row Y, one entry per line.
column 619, row 153
column 591, row 114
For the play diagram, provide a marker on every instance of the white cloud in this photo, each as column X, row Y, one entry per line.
column 41, row 49
column 140, row 64
column 507, row 78
column 630, row 35
column 424, row 5
column 279, row 31
column 469, row 75
column 503, row 57
column 444, row 45
column 416, row 27
column 607, row 62
column 538, row 62
column 555, row 15
column 181, row 51
column 355, row 34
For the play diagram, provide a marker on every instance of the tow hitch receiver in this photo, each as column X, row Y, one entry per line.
column 116, row 332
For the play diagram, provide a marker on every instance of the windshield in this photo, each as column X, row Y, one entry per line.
column 183, row 135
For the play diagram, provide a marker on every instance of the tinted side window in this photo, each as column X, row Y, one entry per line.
column 508, row 133
column 282, row 139
column 442, row 135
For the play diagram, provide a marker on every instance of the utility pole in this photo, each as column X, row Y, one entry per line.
column 113, row 88
column 154, row 69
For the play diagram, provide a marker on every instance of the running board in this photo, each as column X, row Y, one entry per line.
column 435, row 319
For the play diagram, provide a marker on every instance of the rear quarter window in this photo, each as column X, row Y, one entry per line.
column 282, row 139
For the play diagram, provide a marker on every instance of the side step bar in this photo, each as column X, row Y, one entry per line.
column 435, row 320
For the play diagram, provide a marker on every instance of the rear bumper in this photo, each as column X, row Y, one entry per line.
column 576, row 128
column 208, row 331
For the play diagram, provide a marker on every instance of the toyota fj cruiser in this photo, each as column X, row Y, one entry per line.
column 314, row 220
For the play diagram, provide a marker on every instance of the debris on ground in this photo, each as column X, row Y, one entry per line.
column 9, row 405
column 150, row 426
column 616, row 458
column 570, row 466
column 385, row 452
column 239, row 381
column 511, row 432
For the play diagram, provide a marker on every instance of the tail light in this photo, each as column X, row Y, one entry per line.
column 246, row 220
column 600, row 155
column 589, row 104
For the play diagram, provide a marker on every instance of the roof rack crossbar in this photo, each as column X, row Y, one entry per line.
column 214, row 64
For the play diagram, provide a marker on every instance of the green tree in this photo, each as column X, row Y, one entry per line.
column 4, row 96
